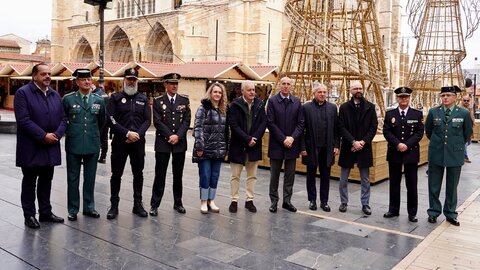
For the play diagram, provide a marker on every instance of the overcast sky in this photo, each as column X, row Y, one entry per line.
column 31, row 19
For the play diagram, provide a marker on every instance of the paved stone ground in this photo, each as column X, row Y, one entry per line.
column 303, row 240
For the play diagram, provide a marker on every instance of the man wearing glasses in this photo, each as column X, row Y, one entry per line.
column 466, row 104
column 448, row 127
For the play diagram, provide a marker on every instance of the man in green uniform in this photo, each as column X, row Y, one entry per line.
column 448, row 127
column 86, row 116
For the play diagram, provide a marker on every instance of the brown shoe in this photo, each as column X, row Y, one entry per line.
column 250, row 206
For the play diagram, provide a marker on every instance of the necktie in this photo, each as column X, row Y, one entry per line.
column 172, row 101
column 403, row 114
column 85, row 101
column 447, row 114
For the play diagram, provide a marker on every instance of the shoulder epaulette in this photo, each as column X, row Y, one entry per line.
column 182, row 95
column 391, row 109
column 159, row 97
column 69, row 94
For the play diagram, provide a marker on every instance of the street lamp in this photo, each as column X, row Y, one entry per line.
column 102, row 4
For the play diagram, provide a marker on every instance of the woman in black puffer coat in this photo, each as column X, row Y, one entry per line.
column 211, row 137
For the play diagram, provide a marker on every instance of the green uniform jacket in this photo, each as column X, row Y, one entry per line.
column 84, row 123
column 447, row 138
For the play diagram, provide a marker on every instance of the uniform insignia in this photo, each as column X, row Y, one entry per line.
column 412, row 121
column 75, row 106
column 393, row 120
column 96, row 106
column 124, row 100
column 140, row 103
column 181, row 107
column 457, row 120
column 164, row 106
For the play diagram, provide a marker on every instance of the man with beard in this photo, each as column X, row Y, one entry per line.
column 41, row 124
column 357, row 122
column 171, row 117
column 129, row 117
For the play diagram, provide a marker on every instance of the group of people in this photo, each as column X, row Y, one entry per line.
column 316, row 131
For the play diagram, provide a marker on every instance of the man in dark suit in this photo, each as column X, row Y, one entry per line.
column 86, row 116
column 357, row 123
column 403, row 130
column 41, row 123
column 171, row 117
column 129, row 116
column 320, row 144
column 285, row 124
column 448, row 127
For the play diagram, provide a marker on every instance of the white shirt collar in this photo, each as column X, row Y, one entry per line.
column 170, row 97
column 400, row 110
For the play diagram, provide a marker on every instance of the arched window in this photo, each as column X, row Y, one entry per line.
column 153, row 6
column 143, row 7
column 128, row 8
column 149, row 6
column 123, row 10
column 119, row 8
column 133, row 7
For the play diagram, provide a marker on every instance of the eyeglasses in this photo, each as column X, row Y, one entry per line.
column 466, row 100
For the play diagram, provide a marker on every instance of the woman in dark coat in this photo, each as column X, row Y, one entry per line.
column 211, row 136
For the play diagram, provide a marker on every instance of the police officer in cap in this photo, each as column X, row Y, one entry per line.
column 129, row 117
column 448, row 127
column 171, row 117
column 86, row 117
column 403, row 130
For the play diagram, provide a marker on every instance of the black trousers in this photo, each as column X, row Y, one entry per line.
column 288, row 179
column 411, row 180
column 44, row 175
column 104, row 141
column 161, row 165
column 324, row 177
column 120, row 151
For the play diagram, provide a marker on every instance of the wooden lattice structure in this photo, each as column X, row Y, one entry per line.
column 335, row 42
column 440, row 48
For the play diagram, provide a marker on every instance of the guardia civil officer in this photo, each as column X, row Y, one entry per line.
column 171, row 117
column 129, row 117
column 448, row 127
column 86, row 116
column 403, row 130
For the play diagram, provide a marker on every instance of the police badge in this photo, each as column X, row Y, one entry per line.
column 124, row 100
column 393, row 120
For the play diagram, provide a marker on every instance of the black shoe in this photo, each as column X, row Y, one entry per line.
column 343, row 208
column 102, row 160
column 325, row 207
column 273, row 208
column 289, row 207
column 154, row 211
column 112, row 212
column 390, row 215
column 453, row 221
column 233, row 207
column 250, row 206
column 412, row 219
column 32, row 222
column 93, row 214
column 312, row 206
column 432, row 219
column 72, row 217
column 139, row 210
column 179, row 208
column 366, row 210
column 50, row 218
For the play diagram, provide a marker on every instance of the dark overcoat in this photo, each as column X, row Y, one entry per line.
column 36, row 115
column 284, row 118
column 170, row 120
column 82, row 136
column 447, row 137
column 309, row 142
column 240, row 137
column 356, row 126
column 408, row 131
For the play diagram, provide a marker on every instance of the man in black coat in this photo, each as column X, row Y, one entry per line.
column 171, row 117
column 129, row 116
column 320, row 144
column 403, row 130
column 247, row 120
column 357, row 122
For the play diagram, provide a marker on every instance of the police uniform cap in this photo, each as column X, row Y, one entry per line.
column 403, row 91
column 450, row 89
column 131, row 73
column 82, row 73
column 172, row 77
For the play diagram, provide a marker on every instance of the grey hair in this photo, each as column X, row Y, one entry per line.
column 317, row 86
column 245, row 83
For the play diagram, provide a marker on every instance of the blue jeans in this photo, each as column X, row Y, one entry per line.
column 209, row 172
